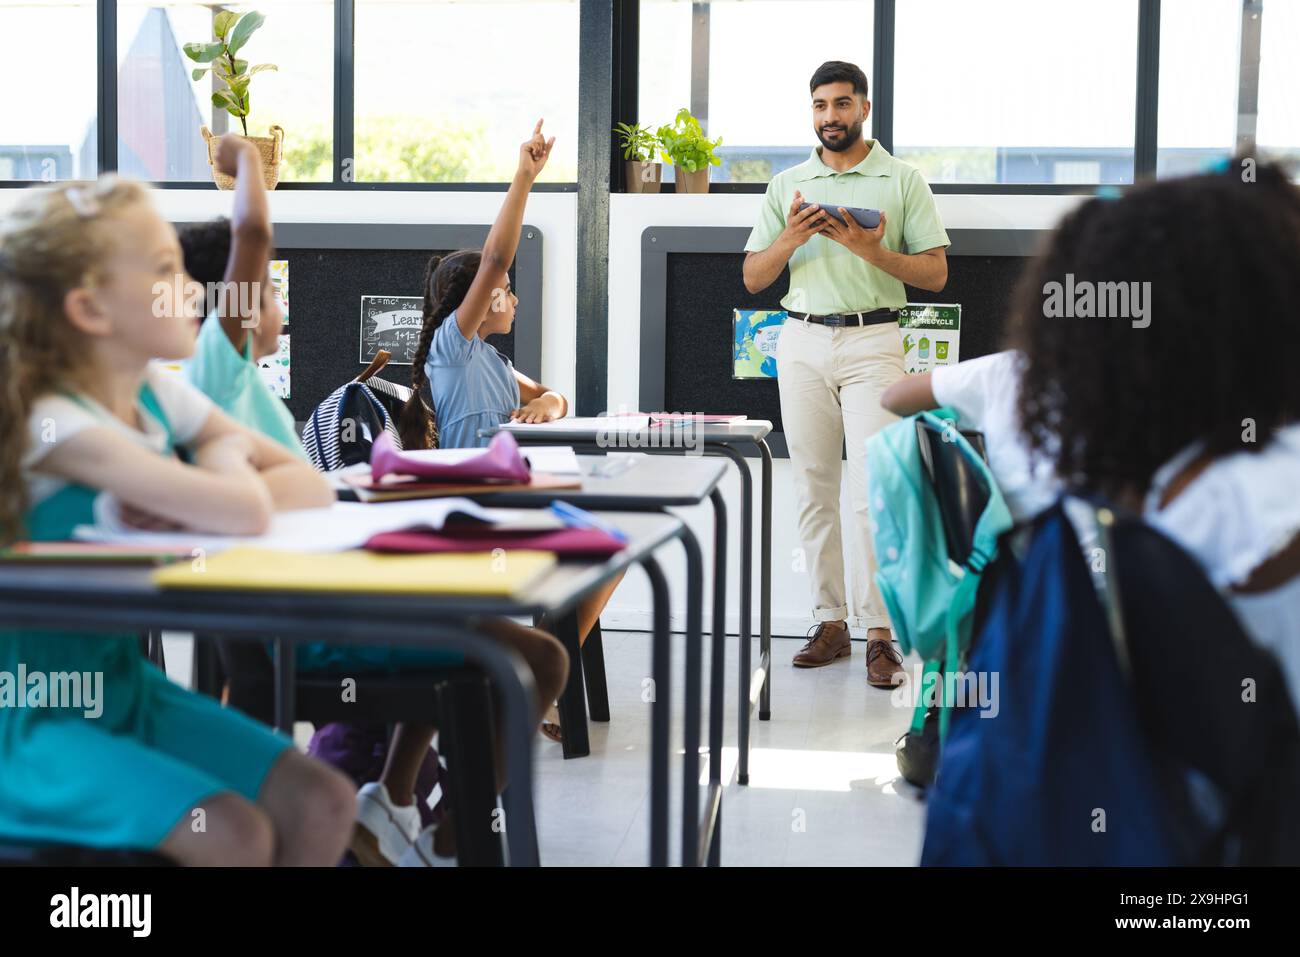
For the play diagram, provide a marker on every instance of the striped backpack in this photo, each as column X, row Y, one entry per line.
column 343, row 427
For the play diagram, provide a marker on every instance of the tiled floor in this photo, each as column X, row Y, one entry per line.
column 824, row 788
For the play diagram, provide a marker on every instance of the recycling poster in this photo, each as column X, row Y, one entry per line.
column 931, row 335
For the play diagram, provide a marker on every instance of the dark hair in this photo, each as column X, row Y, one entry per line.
column 1111, row 402
column 206, row 247
column 446, row 283
column 207, row 250
column 837, row 71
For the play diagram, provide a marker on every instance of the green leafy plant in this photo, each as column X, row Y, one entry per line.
column 684, row 144
column 638, row 142
column 230, row 32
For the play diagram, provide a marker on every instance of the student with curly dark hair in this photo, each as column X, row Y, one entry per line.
column 1188, row 414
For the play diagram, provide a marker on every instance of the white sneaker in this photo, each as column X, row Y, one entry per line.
column 420, row 853
column 384, row 831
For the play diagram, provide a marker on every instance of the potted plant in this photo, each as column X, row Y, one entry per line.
column 230, row 32
column 643, row 172
column 684, row 144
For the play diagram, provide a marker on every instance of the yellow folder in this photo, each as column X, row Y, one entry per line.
column 502, row 572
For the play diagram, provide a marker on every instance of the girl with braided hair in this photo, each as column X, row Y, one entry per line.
column 471, row 386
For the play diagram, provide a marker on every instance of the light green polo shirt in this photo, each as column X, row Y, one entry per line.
column 825, row 278
column 235, row 384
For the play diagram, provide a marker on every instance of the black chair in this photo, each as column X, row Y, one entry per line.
column 457, row 700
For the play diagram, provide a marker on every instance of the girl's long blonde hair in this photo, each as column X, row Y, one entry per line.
column 55, row 240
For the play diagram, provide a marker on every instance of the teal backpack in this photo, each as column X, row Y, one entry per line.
column 929, row 592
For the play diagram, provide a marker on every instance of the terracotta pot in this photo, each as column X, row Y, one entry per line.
column 272, row 150
column 697, row 182
column 644, row 177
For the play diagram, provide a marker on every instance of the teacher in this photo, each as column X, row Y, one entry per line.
column 840, row 348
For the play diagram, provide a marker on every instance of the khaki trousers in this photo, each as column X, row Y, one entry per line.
column 831, row 380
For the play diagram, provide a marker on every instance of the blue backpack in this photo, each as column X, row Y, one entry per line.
column 922, row 471
column 1120, row 735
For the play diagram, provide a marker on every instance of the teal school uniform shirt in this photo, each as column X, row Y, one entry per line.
column 233, row 382
column 473, row 386
column 121, row 758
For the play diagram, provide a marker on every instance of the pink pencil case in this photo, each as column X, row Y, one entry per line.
column 501, row 461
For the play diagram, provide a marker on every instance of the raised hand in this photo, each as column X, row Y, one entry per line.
column 534, row 154
column 229, row 150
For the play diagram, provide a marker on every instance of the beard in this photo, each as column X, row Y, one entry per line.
column 844, row 141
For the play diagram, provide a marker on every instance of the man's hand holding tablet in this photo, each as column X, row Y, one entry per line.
column 803, row 221
column 863, row 243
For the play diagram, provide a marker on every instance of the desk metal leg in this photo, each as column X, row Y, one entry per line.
column 572, row 705
column 765, row 584
column 712, row 836
column 694, row 682
column 286, row 706
column 746, row 601
column 661, row 716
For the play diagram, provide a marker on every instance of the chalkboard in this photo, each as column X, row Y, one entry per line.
column 328, row 286
column 392, row 323
column 703, row 289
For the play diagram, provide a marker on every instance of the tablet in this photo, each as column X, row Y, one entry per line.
column 867, row 218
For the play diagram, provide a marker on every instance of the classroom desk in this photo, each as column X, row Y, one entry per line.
column 643, row 484
column 717, row 440
column 123, row 599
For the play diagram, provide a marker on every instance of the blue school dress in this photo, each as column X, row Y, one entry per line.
column 472, row 384
column 125, row 776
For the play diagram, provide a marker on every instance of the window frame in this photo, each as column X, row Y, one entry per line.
column 624, row 83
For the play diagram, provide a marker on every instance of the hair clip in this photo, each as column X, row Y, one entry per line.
column 86, row 205
column 1109, row 192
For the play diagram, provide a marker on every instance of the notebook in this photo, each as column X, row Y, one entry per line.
column 79, row 552
column 334, row 528
column 396, row 488
column 573, row 542
column 504, row 573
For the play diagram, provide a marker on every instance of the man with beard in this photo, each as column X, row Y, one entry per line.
column 841, row 348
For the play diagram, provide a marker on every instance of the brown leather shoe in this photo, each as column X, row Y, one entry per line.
column 884, row 663
column 829, row 642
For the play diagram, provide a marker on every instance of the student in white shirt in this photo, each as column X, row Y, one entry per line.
column 984, row 393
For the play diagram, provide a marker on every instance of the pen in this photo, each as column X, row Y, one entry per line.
column 575, row 517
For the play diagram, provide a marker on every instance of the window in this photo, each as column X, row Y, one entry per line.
column 743, row 69
column 1278, row 132
column 161, row 109
column 1016, row 91
column 447, row 91
column 47, row 123
column 1200, row 51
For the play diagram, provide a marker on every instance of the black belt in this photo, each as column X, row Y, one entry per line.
column 873, row 318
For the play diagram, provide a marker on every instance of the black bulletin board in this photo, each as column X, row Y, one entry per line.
column 325, row 290
column 703, row 288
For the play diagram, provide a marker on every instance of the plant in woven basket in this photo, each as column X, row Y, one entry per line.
column 230, row 32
